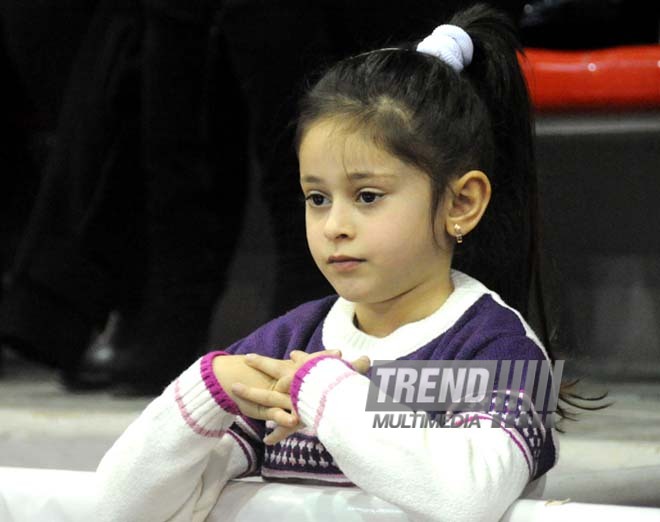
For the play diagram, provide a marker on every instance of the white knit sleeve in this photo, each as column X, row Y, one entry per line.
column 431, row 473
column 172, row 462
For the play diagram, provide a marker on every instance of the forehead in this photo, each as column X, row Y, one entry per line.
column 329, row 148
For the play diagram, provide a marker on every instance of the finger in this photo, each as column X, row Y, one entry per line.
column 283, row 385
column 275, row 368
column 333, row 353
column 296, row 355
column 361, row 364
column 266, row 398
column 282, row 417
column 257, row 411
column 280, row 433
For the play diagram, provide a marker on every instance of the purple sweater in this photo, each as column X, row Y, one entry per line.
column 172, row 463
column 487, row 330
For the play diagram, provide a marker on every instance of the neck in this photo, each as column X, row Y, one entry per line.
column 381, row 319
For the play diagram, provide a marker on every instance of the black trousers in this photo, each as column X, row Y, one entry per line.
column 143, row 192
column 140, row 200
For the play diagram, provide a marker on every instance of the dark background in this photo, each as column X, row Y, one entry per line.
column 598, row 171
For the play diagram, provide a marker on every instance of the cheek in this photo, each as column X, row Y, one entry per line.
column 313, row 231
column 393, row 244
column 402, row 236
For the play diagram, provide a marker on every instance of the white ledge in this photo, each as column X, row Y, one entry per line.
column 36, row 495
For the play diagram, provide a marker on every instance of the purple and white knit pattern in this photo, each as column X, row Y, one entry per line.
column 524, row 427
column 300, row 456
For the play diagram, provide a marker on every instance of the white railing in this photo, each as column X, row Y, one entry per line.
column 40, row 495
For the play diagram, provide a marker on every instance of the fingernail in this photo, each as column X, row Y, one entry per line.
column 237, row 387
column 250, row 355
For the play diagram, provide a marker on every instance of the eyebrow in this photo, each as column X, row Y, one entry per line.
column 353, row 176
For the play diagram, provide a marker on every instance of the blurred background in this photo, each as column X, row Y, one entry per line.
column 148, row 209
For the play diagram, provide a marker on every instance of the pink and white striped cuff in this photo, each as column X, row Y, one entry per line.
column 214, row 387
column 313, row 383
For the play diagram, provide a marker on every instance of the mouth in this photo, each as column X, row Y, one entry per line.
column 343, row 259
column 344, row 263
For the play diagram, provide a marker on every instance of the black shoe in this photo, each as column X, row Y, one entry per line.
column 108, row 367
column 96, row 368
column 94, row 371
column 117, row 363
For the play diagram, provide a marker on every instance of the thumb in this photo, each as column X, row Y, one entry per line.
column 361, row 364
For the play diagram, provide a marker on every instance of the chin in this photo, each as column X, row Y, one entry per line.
column 350, row 294
column 358, row 295
column 358, row 290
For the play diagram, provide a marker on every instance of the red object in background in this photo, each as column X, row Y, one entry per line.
column 624, row 77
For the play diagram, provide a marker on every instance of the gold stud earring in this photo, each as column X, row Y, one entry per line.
column 459, row 233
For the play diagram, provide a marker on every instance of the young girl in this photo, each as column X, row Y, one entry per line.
column 412, row 161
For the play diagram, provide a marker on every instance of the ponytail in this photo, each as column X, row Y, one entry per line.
column 502, row 250
column 464, row 108
column 505, row 253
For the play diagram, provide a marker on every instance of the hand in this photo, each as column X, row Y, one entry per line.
column 231, row 369
column 282, row 372
column 273, row 402
column 360, row 365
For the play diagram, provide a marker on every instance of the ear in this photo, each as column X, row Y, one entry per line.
column 465, row 202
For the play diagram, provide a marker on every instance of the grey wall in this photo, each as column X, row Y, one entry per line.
column 600, row 186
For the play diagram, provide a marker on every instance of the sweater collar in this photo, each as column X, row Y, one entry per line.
column 340, row 332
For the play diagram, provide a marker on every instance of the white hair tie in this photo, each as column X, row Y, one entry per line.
column 451, row 44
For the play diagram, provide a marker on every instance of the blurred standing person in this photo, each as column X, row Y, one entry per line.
column 194, row 154
column 36, row 56
column 130, row 214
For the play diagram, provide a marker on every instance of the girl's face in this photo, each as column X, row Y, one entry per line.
column 368, row 219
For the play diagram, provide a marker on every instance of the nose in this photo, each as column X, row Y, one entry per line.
column 339, row 223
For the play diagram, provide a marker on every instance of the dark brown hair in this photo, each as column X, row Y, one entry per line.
column 417, row 108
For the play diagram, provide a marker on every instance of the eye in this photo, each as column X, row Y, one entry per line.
column 316, row 200
column 368, row 196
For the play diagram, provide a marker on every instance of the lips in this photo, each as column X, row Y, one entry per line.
column 343, row 259
column 341, row 263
